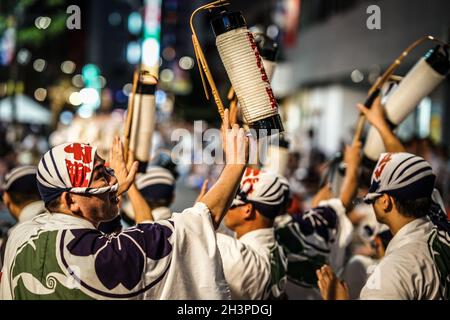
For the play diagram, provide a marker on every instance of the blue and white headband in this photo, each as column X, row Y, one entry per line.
column 267, row 191
column 68, row 167
column 402, row 175
column 20, row 179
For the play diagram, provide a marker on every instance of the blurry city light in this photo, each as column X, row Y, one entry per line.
column 23, row 56
column 42, row 22
column 89, row 96
column 167, row 75
column 160, row 97
column 169, row 53
column 120, row 96
column 19, row 87
column 151, row 35
column 3, row 89
column 186, row 63
column 102, row 81
column 77, row 81
column 40, row 94
column 67, row 92
column 272, row 31
column 10, row 87
column 256, row 29
column 114, row 19
column 7, row 44
column 134, row 23
column 39, row 65
column 150, row 52
column 106, row 99
column 75, row 98
column 90, row 74
column 167, row 106
column 68, row 67
column 127, row 89
column 357, row 76
column 374, row 73
column 118, row 114
column 152, row 15
column 133, row 52
column 85, row 112
column 66, row 117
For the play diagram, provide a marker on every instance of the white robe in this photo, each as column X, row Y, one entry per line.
column 407, row 271
column 254, row 265
column 58, row 256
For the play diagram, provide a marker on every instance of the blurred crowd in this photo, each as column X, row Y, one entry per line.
column 314, row 223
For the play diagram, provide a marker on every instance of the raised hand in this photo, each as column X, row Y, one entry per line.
column 125, row 176
column 219, row 198
column 235, row 142
column 377, row 119
column 375, row 115
column 331, row 288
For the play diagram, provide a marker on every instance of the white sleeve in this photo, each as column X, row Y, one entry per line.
column 406, row 274
column 197, row 267
column 246, row 271
column 387, row 281
column 344, row 233
column 195, row 220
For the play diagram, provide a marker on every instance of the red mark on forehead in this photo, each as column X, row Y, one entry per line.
column 379, row 170
column 79, row 168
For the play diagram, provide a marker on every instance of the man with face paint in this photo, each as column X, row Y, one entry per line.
column 62, row 254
